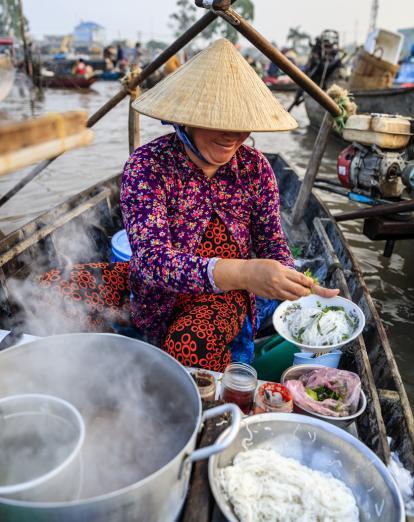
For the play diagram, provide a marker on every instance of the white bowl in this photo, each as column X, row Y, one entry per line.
column 311, row 301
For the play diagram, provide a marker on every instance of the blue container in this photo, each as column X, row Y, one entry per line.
column 121, row 251
column 330, row 359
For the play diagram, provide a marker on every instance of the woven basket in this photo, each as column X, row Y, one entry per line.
column 372, row 73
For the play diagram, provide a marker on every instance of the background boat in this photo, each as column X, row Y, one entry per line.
column 68, row 81
column 396, row 100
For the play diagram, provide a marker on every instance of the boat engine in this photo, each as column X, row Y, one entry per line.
column 376, row 172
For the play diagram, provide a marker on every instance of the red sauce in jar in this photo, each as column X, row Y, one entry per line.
column 239, row 385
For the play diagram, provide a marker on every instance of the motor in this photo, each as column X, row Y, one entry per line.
column 379, row 173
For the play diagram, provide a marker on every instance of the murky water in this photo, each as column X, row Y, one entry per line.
column 391, row 281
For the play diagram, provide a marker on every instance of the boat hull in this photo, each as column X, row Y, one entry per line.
column 398, row 100
column 68, row 82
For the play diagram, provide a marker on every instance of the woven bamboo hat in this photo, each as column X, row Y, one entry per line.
column 216, row 89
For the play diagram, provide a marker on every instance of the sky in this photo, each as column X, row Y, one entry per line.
column 145, row 20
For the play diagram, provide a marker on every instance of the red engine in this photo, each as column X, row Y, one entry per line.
column 343, row 166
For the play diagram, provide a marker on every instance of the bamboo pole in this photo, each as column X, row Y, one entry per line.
column 271, row 52
column 159, row 61
column 27, row 62
column 134, row 130
column 312, row 169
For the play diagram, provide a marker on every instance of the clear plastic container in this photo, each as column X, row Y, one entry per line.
column 239, row 385
column 273, row 397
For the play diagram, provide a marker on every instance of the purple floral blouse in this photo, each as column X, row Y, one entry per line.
column 167, row 203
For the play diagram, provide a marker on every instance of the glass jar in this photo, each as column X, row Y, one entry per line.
column 206, row 384
column 238, row 385
column 273, row 397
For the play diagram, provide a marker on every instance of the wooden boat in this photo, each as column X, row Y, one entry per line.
column 110, row 76
column 68, row 82
column 398, row 100
column 92, row 217
column 7, row 73
column 280, row 86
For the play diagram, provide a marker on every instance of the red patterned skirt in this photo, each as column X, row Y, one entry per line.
column 96, row 296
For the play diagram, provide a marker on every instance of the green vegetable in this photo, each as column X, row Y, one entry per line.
column 323, row 392
column 308, row 273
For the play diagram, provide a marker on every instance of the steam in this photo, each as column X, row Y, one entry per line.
column 138, row 411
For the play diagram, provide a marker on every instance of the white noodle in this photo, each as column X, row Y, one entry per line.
column 263, row 486
column 315, row 327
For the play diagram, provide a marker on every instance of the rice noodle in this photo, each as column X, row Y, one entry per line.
column 321, row 326
column 263, row 486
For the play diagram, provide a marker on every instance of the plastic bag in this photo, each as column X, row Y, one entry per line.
column 338, row 391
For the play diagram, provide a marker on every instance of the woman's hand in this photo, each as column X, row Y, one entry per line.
column 266, row 278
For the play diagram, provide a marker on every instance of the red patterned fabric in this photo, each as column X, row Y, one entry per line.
column 204, row 325
column 93, row 295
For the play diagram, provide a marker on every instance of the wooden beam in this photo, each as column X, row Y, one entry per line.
column 379, row 228
column 47, row 230
column 18, row 159
column 377, row 211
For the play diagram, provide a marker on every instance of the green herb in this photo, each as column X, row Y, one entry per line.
column 323, row 392
column 299, row 336
column 308, row 273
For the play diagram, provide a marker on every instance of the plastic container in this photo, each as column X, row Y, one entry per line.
column 331, row 359
column 272, row 356
column 239, row 385
column 40, row 441
column 383, row 130
column 272, row 397
column 385, row 44
column 121, row 251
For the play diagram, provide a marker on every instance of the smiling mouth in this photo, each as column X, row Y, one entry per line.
column 225, row 145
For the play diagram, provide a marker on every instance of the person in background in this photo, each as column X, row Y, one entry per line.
column 172, row 64
column 79, row 68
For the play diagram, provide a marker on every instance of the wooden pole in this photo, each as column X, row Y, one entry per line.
column 134, row 130
column 377, row 211
column 312, row 169
column 27, row 61
column 308, row 85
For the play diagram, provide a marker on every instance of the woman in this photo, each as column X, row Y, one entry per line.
column 198, row 205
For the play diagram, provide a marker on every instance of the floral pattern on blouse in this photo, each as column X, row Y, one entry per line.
column 167, row 203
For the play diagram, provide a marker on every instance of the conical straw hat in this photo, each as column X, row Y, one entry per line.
column 216, row 89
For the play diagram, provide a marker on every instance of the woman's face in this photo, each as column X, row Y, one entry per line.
column 218, row 147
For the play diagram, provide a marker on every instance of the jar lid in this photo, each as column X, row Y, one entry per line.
column 240, row 376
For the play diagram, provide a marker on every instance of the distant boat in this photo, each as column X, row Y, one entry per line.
column 396, row 100
column 7, row 73
column 110, row 75
column 277, row 85
column 68, row 81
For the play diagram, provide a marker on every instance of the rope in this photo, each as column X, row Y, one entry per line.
column 348, row 107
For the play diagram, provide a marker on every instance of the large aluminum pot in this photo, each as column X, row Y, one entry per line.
column 142, row 413
column 320, row 446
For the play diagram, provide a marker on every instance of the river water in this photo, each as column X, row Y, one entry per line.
column 391, row 281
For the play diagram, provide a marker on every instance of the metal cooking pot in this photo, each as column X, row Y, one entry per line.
column 320, row 446
column 142, row 412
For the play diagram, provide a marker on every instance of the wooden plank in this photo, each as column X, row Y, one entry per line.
column 361, row 355
column 379, row 228
column 18, row 159
column 200, row 502
column 47, row 230
column 17, row 135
